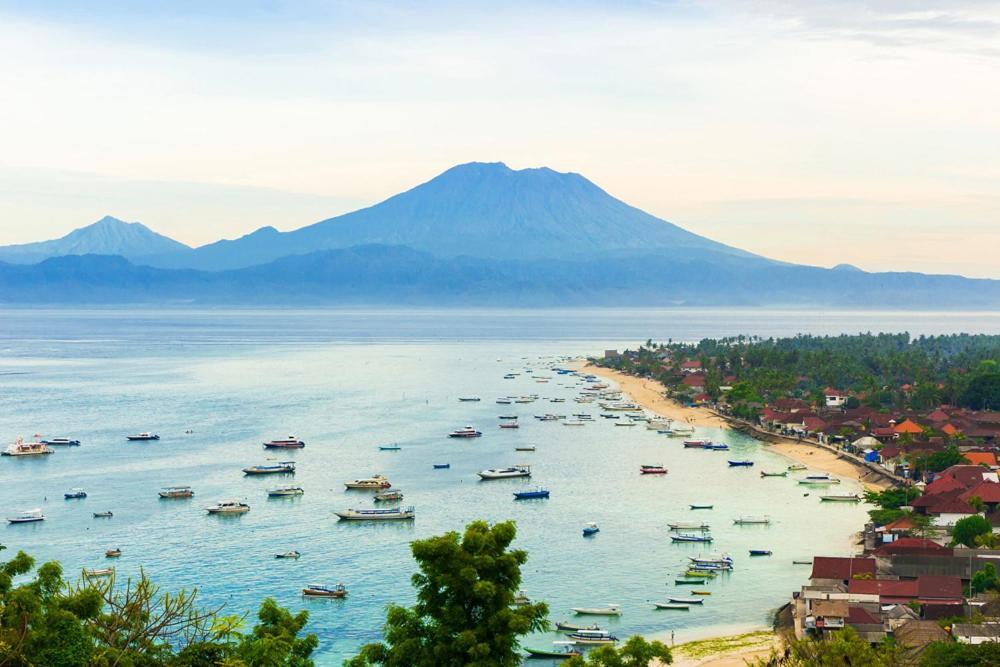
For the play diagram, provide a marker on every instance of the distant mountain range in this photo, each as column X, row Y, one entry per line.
column 478, row 234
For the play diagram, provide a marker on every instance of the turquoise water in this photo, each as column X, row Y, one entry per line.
column 346, row 381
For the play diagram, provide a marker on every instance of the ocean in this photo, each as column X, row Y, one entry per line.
column 348, row 380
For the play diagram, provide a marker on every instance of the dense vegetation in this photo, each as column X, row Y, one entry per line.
column 958, row 369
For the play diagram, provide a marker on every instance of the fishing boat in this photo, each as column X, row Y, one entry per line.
column 718, row 447
column 171, row 492
column 98, row 572
column 548, row 418
column 509, row 425
column 688, row 582
column 774, row 474
column 851, row 498
column 701, row 574
column 281, row 468
column 22, row 448
column 531, row 493
column 388, row 514
column 652, row 470
column 590, row 529
column 228, row 507
column 612, row 609
column 802, row 562
column 796, row 466
column 677, row 600
column 468, row 399
column 681, row 429
column 701, row 507
column 291, row 442
column 740, row 464
column 325, row 591
column 504, row 401
column 27, row 516
column 624, row 423
column 373, row 482
column 724, row 560
column 819, row 481
column 72, row 494
column 505, row 473
column 522, row 598
column 506, row 416
column 388, row 496
column 760, row 552
column 66, row 442
column 566, row 626
column 467, row 432
column 103, row 515
column 658, row 424
column 688, row 525
column 285, row 491
column 510, row 376
column 592, row 637
column 752, row 521
column 697, row 444
column 711, row 567
column 389, row 448
column 113, row 553
column 701, row 592
column 554, row 654
column 525, row 448
column 574, row 422
column 688, row 537
column 557, row 400
column 291, row 555
column 139, row 437
column 442, row 466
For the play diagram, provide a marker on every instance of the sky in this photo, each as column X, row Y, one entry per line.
column 859, row 132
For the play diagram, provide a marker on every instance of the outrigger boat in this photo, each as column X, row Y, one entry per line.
column 740, row 464
column 592, row 637
column 688, row 525
column 784, row 473
column 613, row 609
column 325, row 591
column 852, row 498
column 103, row 515
column 701, row 507
column 27, row 516
column 652, row 470
column 281, row 468
column 292, row 555
column 291, row 442
column 387, row 496
column 171, row 492
column 686, row 537
column 389, row 514
column 531, row 493
column 505, row 473
column 373, row 482
column 139, row 437
column 752, row 521
column 566, row 626
column 565, row 653
column 285, row 491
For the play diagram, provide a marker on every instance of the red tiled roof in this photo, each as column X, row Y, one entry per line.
column 967, row 475
column 938, row 415
column 830, row 391
column 981, row 458
column 861, row 616
column 937, row 587
column 943, row 485
column 883, row 431
column 890, row 452
column 694, row 380
column 902, row 523
column 691, row 364
column 948, row 429
column 890, row 588
column 831, row 567
column 988, row 492
column 951, row 506
column 908, row 426
column 814, row 424
column 913, row 546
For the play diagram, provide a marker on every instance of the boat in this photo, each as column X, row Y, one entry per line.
column 468, row 399
column 291, row 555
column 325, row 591
column 688, row 582
column 701, row 507
column 113, row 553
column 66, row 442
column 819, row 481
column 613, row 609
column 373, row 482
column 725, row 560
column 652, row 470
column 711, row 567
column 796, row 466
column 388, row 514
column 739, row 464
column 505, row 473
column 658, row 424
column 688, row 525
column 574, row 422
column 680, row 428
column 698, row 444
column 553, row 654
column 22, row 448
column 284, row 491
column 389, row 448
column 625, row 423
column 171, row 492
column 687, row 537
column 592, row 637
column 509, row 425
column 802, row 562
column 442, row 466
column 526, row 448
column 677, row 600
column 281, row 468
column 98, row 572
column 138, row 437
column 467, row 432
column 774, row 474
column 531, row 493
column 852, row 498
column 510, row 376
column 671, row 605
column 506, row 416
column 27, row 516
column 566, row 626
column 522, row 598
column 557, row 400
column 228, row 507
column 291, row 442
column 760, row 552
column 504, row 401
column 590, row 529
column 701, row 592
column 72, row 494
column 701, row 574
column 718, row 447
column 752, row 521
column 387, row 496
column 103, row 515
column 548, row 418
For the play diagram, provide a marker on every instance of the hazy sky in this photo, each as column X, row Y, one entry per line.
column 858, row 131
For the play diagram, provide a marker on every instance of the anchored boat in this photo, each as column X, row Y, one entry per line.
column 505, row 473
column 228, row 507
column 142, row 436
column 171, row 492
column 285, row 491
column 27, row 516
column 467, row 432
column 373, row 482
column 22, row 448
column 531, row 493
column 281, row 468
column 612, row 609
column 325, row 591
column 652, row 470
column 389, row 514
column 291, row 442
column 67, row 442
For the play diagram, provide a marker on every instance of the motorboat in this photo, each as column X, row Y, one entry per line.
column 389, row 448
column 681, row 428
column 783, row 473
column 531, row 493
column 103, row 515
column 628, row 422
column 373, row 482
column 713, row 560
column 467, row 432
column 442, row 466
column 526, row 448
column 689, row 537
column 389, row 514
column 752, row 521
column 469, row 399
column 740, row 464
column 701, row 507
column 281, row 468
column 388, row 496
column 612, row 609
column 171, row 492
column 507, row 417
column 718, row 447
column 851, row 498
column 98, row 572
column 567, row 651
column 504, row 401
column 505, row 473
column 672, row 605
column 22, row 448
column 65, row 442
column 652, row 470
column 509, row 424
column 797, row 466
column 760, row 552
column 688, row 525
column 73, row 494
column 592, row 637
column 819, row 480
column 290, row 555
column 113, row 553
column 138, row 437
column 27, row 516
column 521, row 598
column 566, row 626
column 698, row 444
column 291, row 442
column 325, row 591
column 228, row 507
column 285, row 491
column 590, row 529
column 574, row 422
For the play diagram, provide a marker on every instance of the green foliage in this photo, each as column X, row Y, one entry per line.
column 636, row 652
column 982, row 392
column 944, row 459
column 840, row 649
column 968, row 529
column 984, row 580
column 882, row 517
column 893, row 498
column 953, row 654
column 465, row 612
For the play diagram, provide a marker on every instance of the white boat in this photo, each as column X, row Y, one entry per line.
column 373, row 482
column 99, row 572
column 27, row 516
column 65, row 442
column 176, row 492
column 280, row 468
column 291, row 442
column 504, row 401
column 592, row 637
column 610, row 610
column 625, row 423
column 504, row 473
column 388, row 496
column 469, row 399
column 142, row 436
column 620, row 407
column 22, row 448
column 467, row 432
column 574, row 422
column 228, row 507
column 681, row 429
column 658, row 424
column 283, row 491
column 688, row 525
column 391, row 514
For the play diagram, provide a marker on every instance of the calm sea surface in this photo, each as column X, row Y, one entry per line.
column 346, row 381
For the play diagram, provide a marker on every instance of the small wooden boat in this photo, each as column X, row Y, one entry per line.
column 610, row 610
column 442, row 466
column 103, row 515
column 687, row 537
column 325, row 591
column 228, row 507
column 509, row 425
column 701, row 592
column 688, row 525
column 752, row 521
column 677, row 600
column 292, row 555
column 802, row 562
column 853, row 498
column 388, row 496
column 590, row 529
column 760, row 552
column 701, row 507
column 740, row 464
column 280, row 468
column 285, row 491
column 112, row 553
column 652, row 470
column 99, row 572
column 783, row 473
column 718, row 447
column 796, row 466
column 672, row 605
column 389, row 448
column 531, row 493
column 701, row 574
column 566, row 626
column 554, row 654
column 172, row 492
column 529, row 448
column 468, row 399
column 688, row 582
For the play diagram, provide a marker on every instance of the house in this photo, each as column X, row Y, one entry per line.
column 987, row 459
column 939, row 416
column 907, row 426
column 915, row 634
column 970, row 633
column 912, row 545
column 691, row 366
column 948, row 511
column 694, row 380
column 827, row 615
column 834, row 398
column 828, row 570
column 987, row 492
column 889, row 591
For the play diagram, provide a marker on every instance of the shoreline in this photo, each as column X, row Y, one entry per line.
column 649, row 395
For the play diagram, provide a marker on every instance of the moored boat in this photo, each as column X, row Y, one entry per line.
column 325, row 591
column 281, row 468
column 442, row 466
column 290, row 555
column 797, row 466
column 291, row 442
column 75, row 493
column 701, row 507
column 783, row 473
column 467, row 432
column 678, row 600
column 752, row 521
column 139, row 437
column 592, row 637
column 566, row 626
column 388, row 514
column 590, row 529
column 228, row 507
column 531, row 493
column 113, row 553
column 526, row 448
column 103, row 515
column 389, row 448
column 554, row 654
column 652, row 470
column 688, row 525
column 760, row 552
column 27, row 516
column 98, row 572
column 66, row 442
column 387, row 496
column 505, row 473
column 285, row 491
column 740, row 464
column 373, row 482
column 22, row 448
column 468, row 399
column 851, row 498
column 612, row 609
column 698, row 444
column 171, row 492
column 688, row 537
column 509, row 425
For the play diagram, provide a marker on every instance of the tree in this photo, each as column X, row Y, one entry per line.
column 637, row 652
column 944, row 459
column 953, row 654
column 841, row 649
column 968, row 529
column 275, row 640
column 984, row 580
column 465, row 612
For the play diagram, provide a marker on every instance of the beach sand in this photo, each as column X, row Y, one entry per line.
column 731, row 651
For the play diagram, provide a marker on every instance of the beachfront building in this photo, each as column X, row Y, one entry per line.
column 834, row 398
